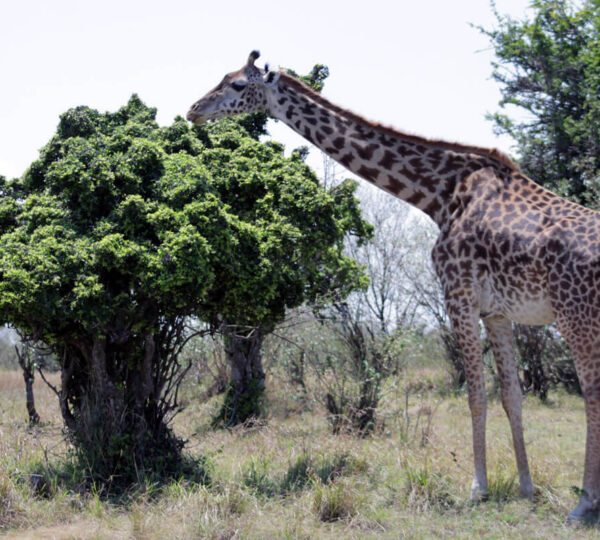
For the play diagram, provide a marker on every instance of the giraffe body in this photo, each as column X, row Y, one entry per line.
column 508, row 249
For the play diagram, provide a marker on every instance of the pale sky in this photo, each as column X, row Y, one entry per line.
column 414, row 65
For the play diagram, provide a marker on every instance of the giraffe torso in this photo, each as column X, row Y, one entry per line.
column 519, row 250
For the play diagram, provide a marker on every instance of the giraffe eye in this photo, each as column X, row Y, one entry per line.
column 238, row 86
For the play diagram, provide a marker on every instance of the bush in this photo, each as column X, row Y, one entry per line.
column 544, row 360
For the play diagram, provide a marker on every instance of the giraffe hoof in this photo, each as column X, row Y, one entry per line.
column 584, row 512
column 478, row 494
column 526, row 490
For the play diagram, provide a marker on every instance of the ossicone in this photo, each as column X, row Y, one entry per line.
column 252, row 58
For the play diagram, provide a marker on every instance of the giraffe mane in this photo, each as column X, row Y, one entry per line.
column 492, row 153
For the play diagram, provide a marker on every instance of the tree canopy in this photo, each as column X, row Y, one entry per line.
column 119, row 214
column 122, row 229
column 548, row 67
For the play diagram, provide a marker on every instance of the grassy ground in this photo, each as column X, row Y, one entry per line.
column 290, row 478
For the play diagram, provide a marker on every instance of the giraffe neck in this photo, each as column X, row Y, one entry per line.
column 422, row 172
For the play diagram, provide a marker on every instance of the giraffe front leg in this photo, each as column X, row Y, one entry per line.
column 589, row 500
column 465, row 322
column 499, row 330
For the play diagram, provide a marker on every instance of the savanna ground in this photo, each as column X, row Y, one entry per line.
column 291, row 478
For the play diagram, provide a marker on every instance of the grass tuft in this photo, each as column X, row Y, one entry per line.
column 9, row 501
column 256, row 477
column 299, row 473
column 502, row 487
column 216, row 512
column 426, row 489
column 340, row 464
column 336, row 501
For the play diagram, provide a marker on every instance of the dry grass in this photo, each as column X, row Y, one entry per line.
column 291, row 478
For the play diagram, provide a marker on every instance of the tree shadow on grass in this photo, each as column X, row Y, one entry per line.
column 73, row 476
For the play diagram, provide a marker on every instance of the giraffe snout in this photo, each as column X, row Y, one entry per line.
column 194, row 117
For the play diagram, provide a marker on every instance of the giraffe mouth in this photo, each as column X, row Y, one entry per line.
column 195, row 117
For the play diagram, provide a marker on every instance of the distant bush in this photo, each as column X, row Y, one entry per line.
column 544, row 360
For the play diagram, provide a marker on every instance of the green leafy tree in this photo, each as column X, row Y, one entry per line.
column 315, row 79
column 548, row 67
column 288, row 252
column 107, row 245
column 123, row 229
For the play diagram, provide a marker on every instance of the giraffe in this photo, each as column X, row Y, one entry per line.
column 508, row 249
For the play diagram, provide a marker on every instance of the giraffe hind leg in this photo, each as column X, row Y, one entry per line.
column 584, row 342
column 499, row 330
column 589, row 500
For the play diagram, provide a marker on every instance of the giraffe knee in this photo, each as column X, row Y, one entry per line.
column 591, row 398
column 513, row 409
column 511, row 398
column 477, row 404
column 591, row 394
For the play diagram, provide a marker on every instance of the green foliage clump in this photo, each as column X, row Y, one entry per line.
column 548, row 66
column 97, row 246
column 290, row 232
column 315, row 79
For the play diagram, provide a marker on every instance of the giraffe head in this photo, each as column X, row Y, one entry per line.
column 242, row 91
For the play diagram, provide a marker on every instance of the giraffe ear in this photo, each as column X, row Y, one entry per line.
column 271, row 78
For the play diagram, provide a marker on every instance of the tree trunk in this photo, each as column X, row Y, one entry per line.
column 34, row 417
column 27, row 364
column 242, row 401
column 115, row 397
